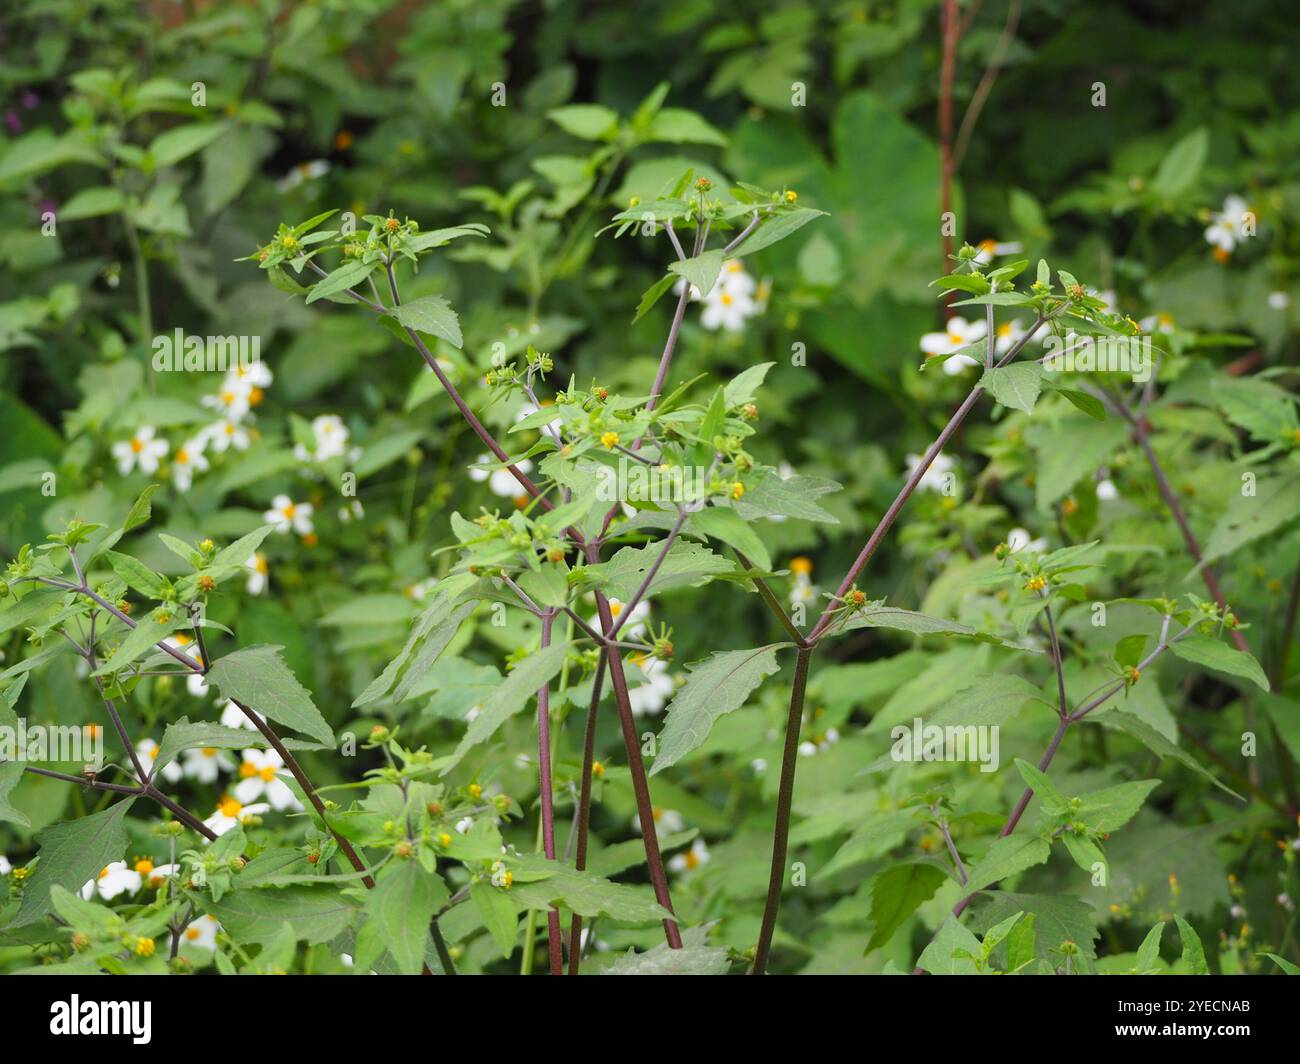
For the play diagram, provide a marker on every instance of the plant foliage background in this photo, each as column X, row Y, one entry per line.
column 517, row 131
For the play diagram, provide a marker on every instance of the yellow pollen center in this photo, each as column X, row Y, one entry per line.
column 247, row 770
column 144, row 867
column 289, row 510
column 229, row 807
column 267, row 773
column 192, row 933
column 137, row 445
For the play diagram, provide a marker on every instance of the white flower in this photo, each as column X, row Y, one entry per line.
column 554, row 427
column 802, row 589
column 650, row 697
column 1007, row 335
column 154, row 876
column 1106, row 490
column 727, row 309
column 464, row 824
column 258, row 575
column 1228, row 227
column 692, row 859
column 1018, row 539
column 113, row 880
column 147, row 751
column 202, row 933
column 501, row 481
column 1278, row 300
column 285, row 514
column 246, row 378
column 667, row 821
column 634, row 626
column 989, row 248
column 230, row 813
column 188, row 460
column 1157, row 323
column 959, row 333
column 206, row 764
column 759, row 765
column 5, row 866
column 234, row 717
column 308, row 171
column 933, row 478
column 420, row 589
column 141, row 450
column 224, row 434
column 353, row 510
column 1284, row 900
column 260, row 777
column 819, row 742
column 331, row 439
column 735, row 279
column 232, row 402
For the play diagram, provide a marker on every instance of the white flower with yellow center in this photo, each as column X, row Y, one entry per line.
column 802, row 589
column 989, row 249
column 667, row 821
column 188, row 460
column 331, row 439
column 202, row 933
column 258, row 573
column 259, row 776
column 143, row 451
column 419, row 591
column 155, row 876
column 231, row 812
column 232, row 402
column 234, row 717
column 727, row 308
column 1007, row 335
column 225, row 434
column 735, row 279
column 634, row 626
column 695, row 857
column 819, row 742
column 501, row 482
column 113, row 880
column 285, row 514
column 147, row 751
column 246, row 378
column 1228, row 227
column 195, row 682
column 649, row 697
column 933, row 478
column 957, row 334
column 206, row 764
column 308, row 171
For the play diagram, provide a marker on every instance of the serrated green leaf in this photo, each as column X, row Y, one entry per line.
column 257, row 677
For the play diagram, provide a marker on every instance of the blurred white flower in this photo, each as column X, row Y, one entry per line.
column 1227, row 227
column 1157, row 323
column 933, row 478
column 308, row 171
column 667, row 821
column 500, row 481
column 353, row 511
column 958, row 333
column 285, row 514
column 988, row 249
column 141, row 451
column 5, row 866
column 234, row 717
column 1018, row 539
column 725, row 309
column 224, row 434
column 692, row 859
column 147, row 751
column 115, row 879
column 1106, row 490
column 1278, row 300
column 202, row 933
column 819, row 742
column 206, row 764
column 232, row 402
column 230, row 813
column 259, row 774
column 331, row 440
column 258, row 576
column 188, row 460
column 650, row 696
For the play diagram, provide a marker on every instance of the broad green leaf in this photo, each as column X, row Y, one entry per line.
column 316, row 914
column 989, row 700
column 1016, row 386
column 1006, row 857
column 652, row 295
column 72, row 853
column 725, row 524
column 713, row 688
column 238, row 553
column 1057, row 918
column 432, row 315
column 896, row 893
column 92, row 203
column 349, row 275
column 499, row 914
column 1211, row 653
column 141, row 510
column 531, row 674
column 1148, row 954
column 773, row 229
column 676, row 125
column 185, row 734
column 1283, row 963
column 744, row 385
column 434, row 630
column 402, row 905
column 136, row 575
column 1110, row 808
column 1157, row 743
column 942, row 955
column 139, row 640
column 588, row 121
column 768, row 495
column 878, row 616
column 1193, row 952
column 176, row 144
column 258, row 678
column 1068, row 450
column 694, row 958
column 687, row 565
column 1181, row 166
column 701, row 271
column 583, row 893
column 1276, row 503
column 11, row 773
